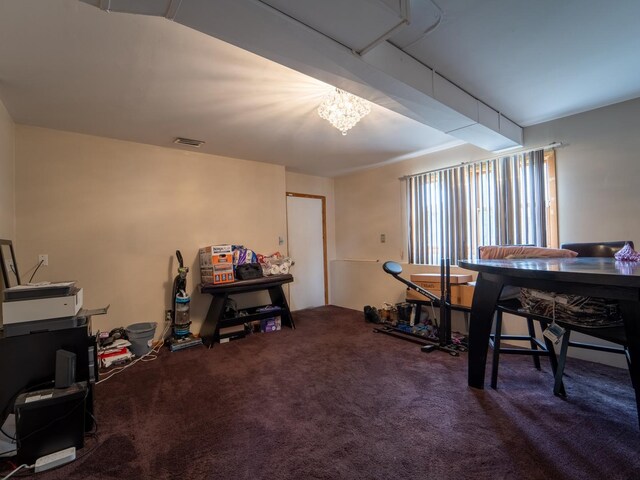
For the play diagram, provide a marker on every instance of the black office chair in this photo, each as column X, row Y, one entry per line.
column 508, row 303
column 614, row 334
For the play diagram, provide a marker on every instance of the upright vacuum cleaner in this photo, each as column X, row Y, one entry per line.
column 181, row 336
column 444, row 342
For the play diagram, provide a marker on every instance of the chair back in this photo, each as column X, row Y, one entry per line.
column 522, row 251
column 498, row 251
column 596, row 249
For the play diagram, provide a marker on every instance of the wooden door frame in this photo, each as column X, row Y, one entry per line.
column 324, row 236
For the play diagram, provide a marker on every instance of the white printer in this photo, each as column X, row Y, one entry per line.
column 48, row 306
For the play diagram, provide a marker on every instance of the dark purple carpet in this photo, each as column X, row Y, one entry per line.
column 333, row 400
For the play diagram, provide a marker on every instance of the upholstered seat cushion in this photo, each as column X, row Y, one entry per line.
column 492, row 252
column 518, row 251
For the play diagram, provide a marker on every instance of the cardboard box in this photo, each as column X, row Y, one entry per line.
column 219, row 274
column 460, row 291
column 270, row 324
column 223, row 268
column 457, row 278
column 466, row 294
column 206, row 275
column 216, row 264
column 223, row 273
column 455, row 294
column 228, row 334
column 205, row 257
column 207, row 253
column 221, row 258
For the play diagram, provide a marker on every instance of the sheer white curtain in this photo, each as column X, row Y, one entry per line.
column 493, row 202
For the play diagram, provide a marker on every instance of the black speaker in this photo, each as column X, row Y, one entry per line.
column 65, row 368
column 50, row 420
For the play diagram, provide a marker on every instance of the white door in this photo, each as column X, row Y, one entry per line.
column 305, row 229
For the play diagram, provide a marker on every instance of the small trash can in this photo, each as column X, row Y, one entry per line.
column 141, row 337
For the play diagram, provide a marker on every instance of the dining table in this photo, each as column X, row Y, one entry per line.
column 604, row 278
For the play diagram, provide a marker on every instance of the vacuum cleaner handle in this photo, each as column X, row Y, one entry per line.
column 179, row 255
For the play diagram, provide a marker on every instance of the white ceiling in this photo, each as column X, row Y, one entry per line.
column 68, row 65
column 538, row 60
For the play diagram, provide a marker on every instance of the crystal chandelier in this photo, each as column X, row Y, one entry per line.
column 343, row 110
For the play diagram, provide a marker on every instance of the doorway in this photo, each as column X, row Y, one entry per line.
column 307, row 239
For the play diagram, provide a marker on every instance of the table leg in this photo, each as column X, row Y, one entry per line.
column 210, row 329
column 276, row 294
column 631, row 314
column 485, row 297
column 558, row 369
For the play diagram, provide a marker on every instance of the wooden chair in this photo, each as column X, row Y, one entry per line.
column 508, row 303
column 614, row 334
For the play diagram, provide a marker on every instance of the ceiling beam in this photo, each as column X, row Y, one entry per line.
column 384, row 74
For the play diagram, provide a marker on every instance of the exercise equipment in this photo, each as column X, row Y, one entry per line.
column 444, row 341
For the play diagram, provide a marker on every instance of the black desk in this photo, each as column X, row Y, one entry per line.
column 210, row 331
column 597, row 277
column 27, row 361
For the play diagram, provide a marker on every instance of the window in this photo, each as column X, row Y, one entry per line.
column 503, row 201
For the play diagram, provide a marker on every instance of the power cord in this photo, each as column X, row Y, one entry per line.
column 147, row 357
column 7, row 435
column 85, row 453
column 93, row 435
column 24, row 465
column 95, row 425
column 13, row 442
column 34, row 272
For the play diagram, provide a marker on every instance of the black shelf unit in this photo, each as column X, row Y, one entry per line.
column 240, row 319
column 210, row 331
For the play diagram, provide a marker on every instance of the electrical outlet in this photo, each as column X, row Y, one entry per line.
column 44, row 258
column 383, row 238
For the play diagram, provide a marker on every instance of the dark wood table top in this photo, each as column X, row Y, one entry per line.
column 588, row 270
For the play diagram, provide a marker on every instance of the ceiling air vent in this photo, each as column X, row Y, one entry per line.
column 188, row 142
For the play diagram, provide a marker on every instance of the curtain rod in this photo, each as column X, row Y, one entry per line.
column 527, row 150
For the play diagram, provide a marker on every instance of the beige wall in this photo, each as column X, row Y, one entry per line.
column 7, row 177
column 371, row 203
column 598, row 175
column 111, row 214
column 598, row 172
